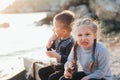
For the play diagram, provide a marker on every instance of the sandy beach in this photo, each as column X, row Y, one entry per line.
column 26, row 41
column 12, row 64
column 115, row 59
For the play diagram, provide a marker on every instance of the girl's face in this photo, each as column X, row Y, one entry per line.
column 85, row 36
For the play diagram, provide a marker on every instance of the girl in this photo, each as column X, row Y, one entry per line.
column 93, row 56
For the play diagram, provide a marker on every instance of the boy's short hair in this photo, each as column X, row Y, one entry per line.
column 66, row 17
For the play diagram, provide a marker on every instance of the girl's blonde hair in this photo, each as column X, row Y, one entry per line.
column 86, row 21
column 93, row 25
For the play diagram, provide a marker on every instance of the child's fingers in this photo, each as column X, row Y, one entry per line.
column 70, row 64
column 67, row 74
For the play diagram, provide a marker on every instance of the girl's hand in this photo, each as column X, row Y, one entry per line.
column 67, row 74
column 69, row 65
column 85, row 78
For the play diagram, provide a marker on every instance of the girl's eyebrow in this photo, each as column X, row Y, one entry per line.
column 79, row 34
column 87, row 33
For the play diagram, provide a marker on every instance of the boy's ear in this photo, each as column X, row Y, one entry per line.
column 64, row 31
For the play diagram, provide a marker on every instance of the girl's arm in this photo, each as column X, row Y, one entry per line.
column 103, row 64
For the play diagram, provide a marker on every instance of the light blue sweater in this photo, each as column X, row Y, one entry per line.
column 101, row 68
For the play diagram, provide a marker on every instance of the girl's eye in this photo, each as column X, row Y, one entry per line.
column 87, row 34
column 79, row 35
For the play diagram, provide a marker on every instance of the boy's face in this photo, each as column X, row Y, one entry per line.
column 59, row 31
column 85, row 36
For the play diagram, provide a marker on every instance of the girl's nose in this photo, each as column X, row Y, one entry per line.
column 83, row 37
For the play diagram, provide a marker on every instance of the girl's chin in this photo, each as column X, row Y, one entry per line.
column 85, row 46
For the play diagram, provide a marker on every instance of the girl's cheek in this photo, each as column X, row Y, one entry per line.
column 78, row 42
column 78, row 38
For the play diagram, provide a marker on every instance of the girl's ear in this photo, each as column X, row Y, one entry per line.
column 95, row 36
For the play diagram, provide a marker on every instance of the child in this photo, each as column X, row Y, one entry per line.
column 59, row 45
column 92, row 56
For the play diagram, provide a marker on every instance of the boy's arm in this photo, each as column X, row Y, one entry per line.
column 51, row 41
column 62, row 58
column 66, row 53
column 53, row 54
column 69, row 59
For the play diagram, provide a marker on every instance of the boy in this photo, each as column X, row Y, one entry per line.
column 59, row 45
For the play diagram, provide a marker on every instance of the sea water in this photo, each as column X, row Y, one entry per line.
column 22, row 35
column 21, row 39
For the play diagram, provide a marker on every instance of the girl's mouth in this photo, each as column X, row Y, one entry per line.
column 84, row 43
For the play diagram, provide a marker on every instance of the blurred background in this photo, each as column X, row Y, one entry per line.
column 25, row 27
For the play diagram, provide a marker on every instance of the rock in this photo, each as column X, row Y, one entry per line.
column 116, row 77
column 24, row 6
column 107, row 9
column 4, row 25
column 110, row 26
column 47, row 20
column 80, row 11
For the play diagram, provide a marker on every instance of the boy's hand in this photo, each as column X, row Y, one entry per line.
column 53, row 54
column 51, row 40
